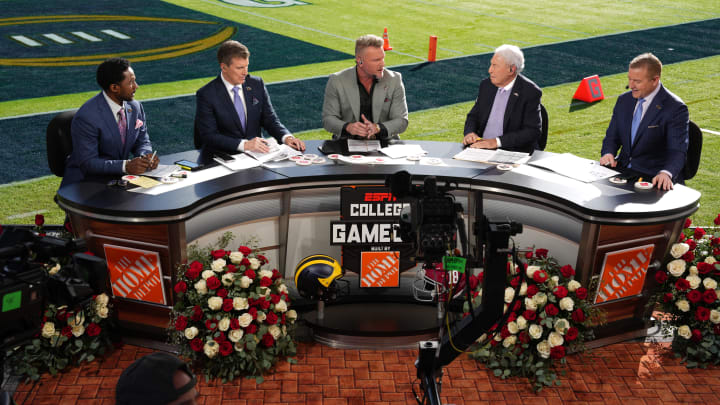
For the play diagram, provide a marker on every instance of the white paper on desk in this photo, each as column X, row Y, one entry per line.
column 401, row 151
column 241, row 162
column 162, row 171
column 356, row 145
column 373, row 160
column 492, row 156
column 194, row 177
column 276, row 153
column 575, row 167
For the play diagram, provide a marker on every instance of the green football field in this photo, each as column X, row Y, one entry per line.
column 463, row 28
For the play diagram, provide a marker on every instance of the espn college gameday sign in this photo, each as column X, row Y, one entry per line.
column 135, row 274
column 367, row 232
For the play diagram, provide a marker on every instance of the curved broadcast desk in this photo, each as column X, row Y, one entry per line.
column 289, row 208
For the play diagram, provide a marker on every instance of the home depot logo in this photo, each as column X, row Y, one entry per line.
column 623, row 273
column 135, row 274
column 380, row 269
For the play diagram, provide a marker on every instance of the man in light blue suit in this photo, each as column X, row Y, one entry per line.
column 108, row 128
column 649, row 125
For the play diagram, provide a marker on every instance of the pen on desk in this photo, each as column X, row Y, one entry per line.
column 153, row 155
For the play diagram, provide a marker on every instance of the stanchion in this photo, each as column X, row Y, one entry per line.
column 432, row 48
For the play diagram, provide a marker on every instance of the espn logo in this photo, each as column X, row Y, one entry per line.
column 379, row 197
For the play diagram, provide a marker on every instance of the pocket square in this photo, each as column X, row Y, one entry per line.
column 138, row 124
column 653, row 126
column 387, row 99
column 255, row 101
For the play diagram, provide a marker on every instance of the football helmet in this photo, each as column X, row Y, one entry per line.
column 317, row 277
column 432, row 283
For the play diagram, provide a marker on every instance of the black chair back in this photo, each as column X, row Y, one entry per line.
column 59, row 141
column 542, row 142
column 692, row 161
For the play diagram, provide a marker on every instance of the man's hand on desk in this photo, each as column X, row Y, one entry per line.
column 485, row 144
column 608, row 160
column 257, row 144
column 662, row 181
column 295, row 143
column 470, row 138
column 138, row 165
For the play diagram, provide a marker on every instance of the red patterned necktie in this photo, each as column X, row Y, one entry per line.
column 122, row 125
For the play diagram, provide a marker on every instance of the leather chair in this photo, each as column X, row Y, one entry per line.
column 59, row 141
column 542, row 142
column 692, row 161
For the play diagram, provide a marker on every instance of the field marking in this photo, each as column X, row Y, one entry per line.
column 57, row 38
column 25, row 40
column 709, row 131
column 26, row 214
column 113, row 33
column 86, row 36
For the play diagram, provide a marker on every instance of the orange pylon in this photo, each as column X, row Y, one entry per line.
column 386, row 41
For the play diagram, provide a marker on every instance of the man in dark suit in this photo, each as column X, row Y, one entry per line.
column 108, row 128
column 233, row 107
column 649, row 125
column 506, row 113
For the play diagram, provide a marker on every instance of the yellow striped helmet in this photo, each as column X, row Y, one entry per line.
column 315, row 277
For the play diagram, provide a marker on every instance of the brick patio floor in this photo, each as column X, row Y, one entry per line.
column 623, row 373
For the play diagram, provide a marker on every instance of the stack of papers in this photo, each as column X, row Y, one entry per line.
column 492, row 156
column 575, row 167
column 277, row 152
column 241, row 162
column 356, row 146
column 399, row 151
column 162, row 171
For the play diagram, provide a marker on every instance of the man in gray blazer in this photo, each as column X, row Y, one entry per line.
column 366, row 101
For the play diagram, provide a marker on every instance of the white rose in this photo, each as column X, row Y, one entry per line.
column 236, row 334
column 679, row 249
column 78, row 319
column 215, row 303
column 281, row 306
column 254, row 263
column 211, row 349
column 207, row 274
column 292, row 315
column 282, row 287
column 709, row 283
column 509, row 341
column 275, row 331
column 48, row 330
column 266, row 292
column 102, row 299
column 102, row 312
column 54, row 269
column 236, row 257
column 530, row 304
column 239, row 346
column 561, row 326
column 218, row 265
column 573, row 285
column 540, row 299
column 227, row 279
column 201, row 287
column 245, row 282
column 693, row 270
column 513, row 327
column 497, row 338
column 224, row 324
column 715, row 316
column 554, row 281
column 531, row 270
column 694, row 281
column 78, row 330
column 265, row 273
column 676, row 267
column 684, row 331
column 544, row 349
column 521, row 322
column 240, row 303
column 555, row 339
column 481, row 338
column 245, row 320
column 535, row 331
column 710, row 260
column 567, row 304
column 261, row 316
column 683, row 305
column 509, row 294
column 191, row 333
column 523, row 289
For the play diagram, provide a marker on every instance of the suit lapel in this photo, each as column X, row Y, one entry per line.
column 350, row 87
column 229, row 103
column 512, row 99
column 111, row 125
column 249, row 105
column 652, row 111
column 379, row 95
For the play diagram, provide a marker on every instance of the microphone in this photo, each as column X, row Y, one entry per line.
column 627, row 87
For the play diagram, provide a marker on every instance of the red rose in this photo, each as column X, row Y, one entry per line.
column 271, row 318
column 515, row 282
column 234, row 324
column 716, row 252
column 218, row 254
column 688, row 222
column 39, row 219
column 220, row 338
column 689, row 256
column 493, row 342
column 274, row 298
column 211, row 324
column 244, row 250
column 541, row 252
column 528, row 255
column 717, row 220
column 698, row 233
column 481, row 276
column 560, row 291
column 263, row 259
column 551, row 309
column 276, row 274
column 691, row 244
column 245, row 262
column 667, row 297
column 578, row 315
column 517, row 306
column 557, row 352
column 67, row 225
column 713, row 241
column 532, row 290
column 512, row 317
column 181, row 323
column 567, row 271
column 93, row 330
column 196, row 344
column 504, row 332
column 222, row 293
column 530, row 315
column 709, row 296
column 681, row 284
column 661, row 276
column 571, row 334
column 524, row 337
column 250, row 274
column 227, row 305
column 253, row 311
column 704, row 268
column 267, row 340
column 226, row 348
column 694, row 296
column 265, row 282
column 717, row 329
column 696, row 335
column 581, row 293
column 251, row 329
column 197, row 313
column 473, row 283
column 213, row 283
column 681, row 238
column 702, row 314
column 540, row 276
column 282, row 318
column 180, row 287
column 66, row 331
column 231, row 268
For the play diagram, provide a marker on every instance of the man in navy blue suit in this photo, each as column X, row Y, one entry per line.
column 649, row 125
column 233, row 107
column 108, row 128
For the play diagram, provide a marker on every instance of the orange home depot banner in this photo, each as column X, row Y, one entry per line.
column 135, row 274
column 623, row 273
column 380, row 269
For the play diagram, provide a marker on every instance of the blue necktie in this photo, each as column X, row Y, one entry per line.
column 636, row 120
column 240, row 108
